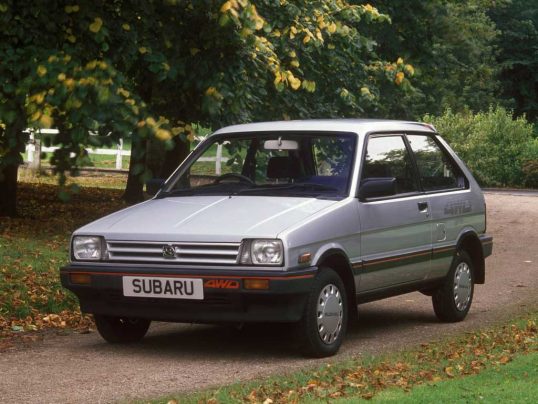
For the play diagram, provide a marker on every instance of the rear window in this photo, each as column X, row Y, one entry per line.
column 436, row 169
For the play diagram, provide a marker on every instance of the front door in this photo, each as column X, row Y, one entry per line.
column 396, row 236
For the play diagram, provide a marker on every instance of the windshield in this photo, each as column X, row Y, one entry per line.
column 271, row 164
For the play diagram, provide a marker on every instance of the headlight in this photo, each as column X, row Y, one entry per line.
column 87, row 248
column 262, row 252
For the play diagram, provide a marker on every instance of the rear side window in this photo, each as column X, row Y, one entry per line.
column 436, row 169
column 387, row 156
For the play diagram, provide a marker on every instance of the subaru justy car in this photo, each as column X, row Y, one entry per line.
column 296, row 222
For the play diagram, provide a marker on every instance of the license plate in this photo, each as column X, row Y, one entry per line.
column 160, row 287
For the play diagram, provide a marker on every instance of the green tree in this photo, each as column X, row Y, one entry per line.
column 154, row 68
column 518, row 58
column 58, row 70
column 451, row 45
column 275, row 60
column 498, row 149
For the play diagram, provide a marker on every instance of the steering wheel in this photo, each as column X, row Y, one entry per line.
column 240, row 177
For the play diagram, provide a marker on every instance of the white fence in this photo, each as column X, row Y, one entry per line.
column 34, row 150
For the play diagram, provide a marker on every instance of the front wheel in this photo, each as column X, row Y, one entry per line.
column 323, row 325
column 121, row 329
column 452, row 301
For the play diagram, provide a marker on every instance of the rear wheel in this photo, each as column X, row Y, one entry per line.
column 121, row 329
column 452, row 301
column 323, row 326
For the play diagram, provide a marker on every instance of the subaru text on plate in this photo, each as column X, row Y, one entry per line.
column 293, row 222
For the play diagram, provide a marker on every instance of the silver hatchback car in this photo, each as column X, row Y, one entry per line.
column 296, row 221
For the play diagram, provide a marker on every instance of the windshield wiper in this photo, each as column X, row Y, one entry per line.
column 313, row 186
column 223, row 188
column 304, row 186
column 176, row 192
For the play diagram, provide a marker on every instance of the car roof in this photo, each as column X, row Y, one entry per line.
column 360, row 126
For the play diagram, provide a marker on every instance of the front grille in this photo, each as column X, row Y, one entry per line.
column 185, row 253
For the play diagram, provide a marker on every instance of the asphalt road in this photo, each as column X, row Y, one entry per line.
column 80, row 368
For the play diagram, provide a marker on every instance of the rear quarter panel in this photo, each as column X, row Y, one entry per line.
column 457, row 212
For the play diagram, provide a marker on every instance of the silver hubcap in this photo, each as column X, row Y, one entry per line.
column 330, row 313
column 462, row 286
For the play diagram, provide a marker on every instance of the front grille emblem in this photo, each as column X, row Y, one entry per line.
column 169, row 251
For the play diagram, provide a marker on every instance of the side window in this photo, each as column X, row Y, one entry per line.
column 387, row 156
column 437, row 171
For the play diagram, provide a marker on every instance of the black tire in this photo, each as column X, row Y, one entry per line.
column 307, row 332
column 452, row 300
column 118, row 330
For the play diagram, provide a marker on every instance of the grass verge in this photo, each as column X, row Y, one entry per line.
column 84, row 180
column 32, row 249
column 514, row 382
column 455, row 369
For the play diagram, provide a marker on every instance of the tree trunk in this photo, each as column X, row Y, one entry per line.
column 134, row 191
column 14, row 139
column 8, row 190
column 174, row 157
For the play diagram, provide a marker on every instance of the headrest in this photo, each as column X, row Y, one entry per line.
column 282, row 167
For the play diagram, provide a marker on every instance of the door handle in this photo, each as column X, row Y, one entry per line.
column 423, row 206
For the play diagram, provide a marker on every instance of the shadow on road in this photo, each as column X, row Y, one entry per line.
column 269, row 341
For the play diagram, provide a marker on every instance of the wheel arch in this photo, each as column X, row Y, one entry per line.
column 337, row 260
column 470, row 242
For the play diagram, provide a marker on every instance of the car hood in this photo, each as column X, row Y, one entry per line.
column 206, row 218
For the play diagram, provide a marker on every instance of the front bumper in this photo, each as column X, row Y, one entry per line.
column 283, row 301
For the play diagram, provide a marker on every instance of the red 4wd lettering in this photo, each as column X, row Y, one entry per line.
column 221, row 284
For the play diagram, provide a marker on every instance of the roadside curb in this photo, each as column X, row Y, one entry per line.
column 511, row 191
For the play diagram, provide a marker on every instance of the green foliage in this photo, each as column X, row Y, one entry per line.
column 156, row 68
column 530, row 165
column 451, row 45
column 498, row 149
column 57, row 74
column 518, row 42
column 77, row 99
column 328, row 60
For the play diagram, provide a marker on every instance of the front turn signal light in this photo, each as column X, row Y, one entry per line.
column 258, row 284
column 80, row 279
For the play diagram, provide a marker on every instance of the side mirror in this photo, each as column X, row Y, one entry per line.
column 154, row 185
column 377, row 187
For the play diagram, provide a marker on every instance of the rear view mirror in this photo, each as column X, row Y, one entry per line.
column 377, row 187
column 280, row 144
column 154, row 185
